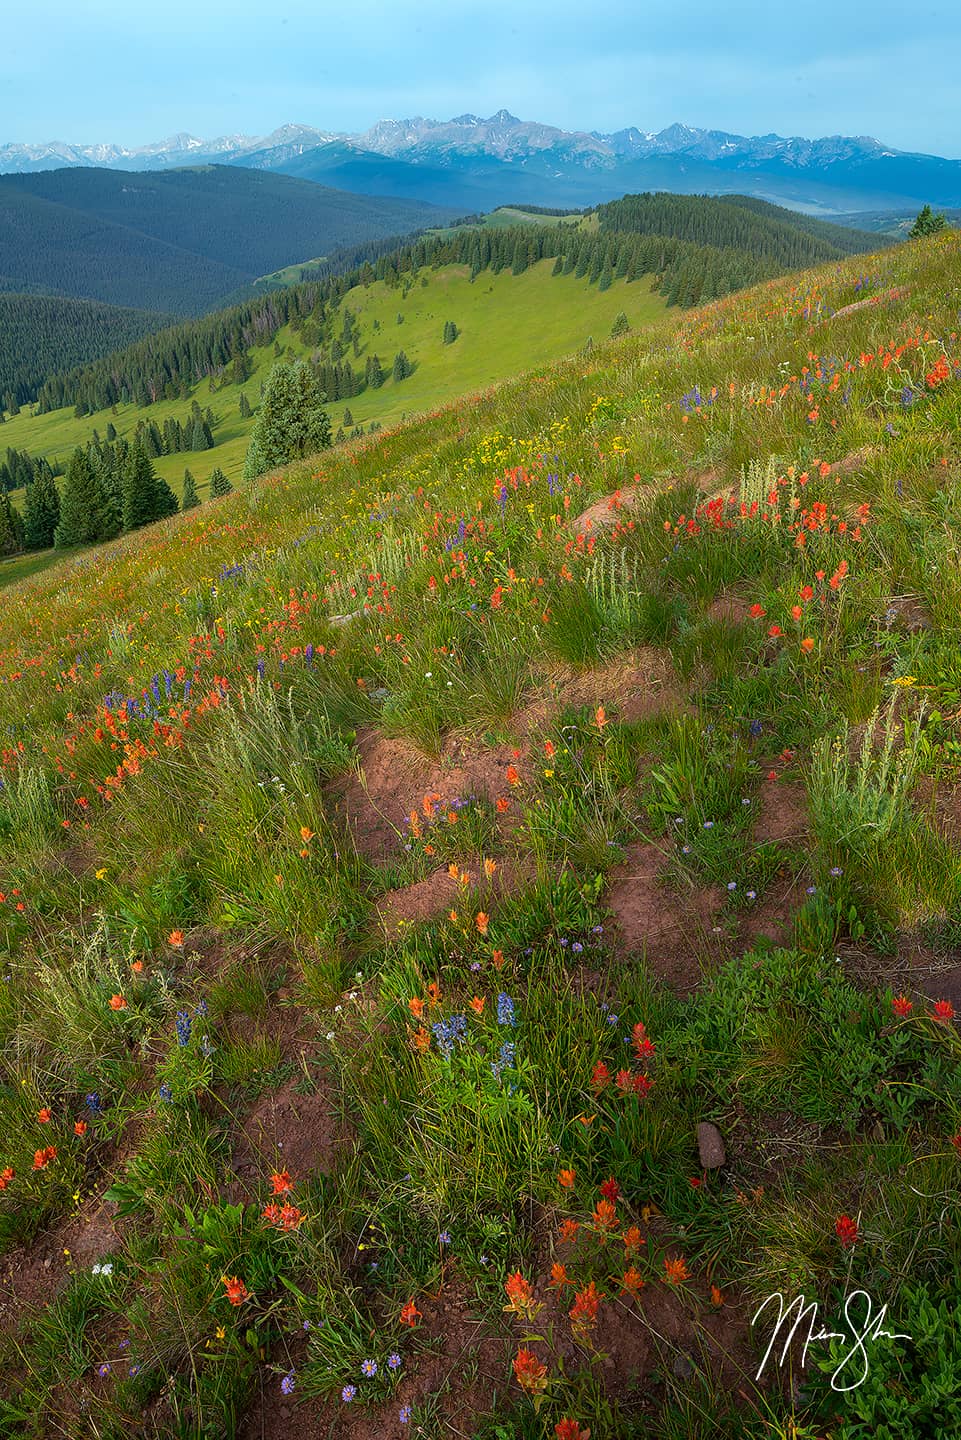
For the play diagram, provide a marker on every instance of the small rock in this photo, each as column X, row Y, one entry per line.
column 682, row 1367
column 710, row 1146
column 46, row 1263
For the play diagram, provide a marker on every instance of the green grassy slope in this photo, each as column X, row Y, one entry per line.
column 667, row 636
column 508, row 324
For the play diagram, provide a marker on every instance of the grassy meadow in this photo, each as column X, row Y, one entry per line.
column 481, row 910
column 508, row 324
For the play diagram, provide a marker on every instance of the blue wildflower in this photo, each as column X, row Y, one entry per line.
column 183, row 1027
column 505, row 1010
column 288, row 1383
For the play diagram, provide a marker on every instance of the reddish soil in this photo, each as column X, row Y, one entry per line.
column 35, row 1274
column 707, row 481
column 782, row 813
column 897, row 293
column 637, row 686
column 394, row 778
column 604, row 514
column 729, row 607
column 285, row 1130
column 431, row 897
column 468, row 1368
column 675, row 933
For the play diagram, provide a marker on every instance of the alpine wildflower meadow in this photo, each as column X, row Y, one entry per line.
column 481, row 909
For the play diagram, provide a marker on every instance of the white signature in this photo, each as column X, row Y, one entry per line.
column 869, row 1328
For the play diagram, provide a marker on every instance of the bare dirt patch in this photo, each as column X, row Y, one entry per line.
column 34, row 1274
column 467, row 1369
column 857, row 459
column 429, row 898
column 676, row 933
column 394, row 777
column 729, row 607
column 772, row 918
column 611, row 510
column 782, row 813
column 287, row 1130
column 636, row 686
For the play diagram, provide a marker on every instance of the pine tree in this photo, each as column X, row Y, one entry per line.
column 11, row 528
column 189, row 499
column 348, row 418
column 219, row 484
column 244, row 406
column 145, row 496
column 451, row 332
column 927, row 223
column 41, row 511
column 291, row 421
column 375, row 372
column 621, row 325
column 86, row 511
column 402, row 367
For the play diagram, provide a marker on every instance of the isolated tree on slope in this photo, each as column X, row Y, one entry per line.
column 41, row 511
column 190, row 499
column 927, row 223
column 219, row 484
column 86, row 511
column 291, row 421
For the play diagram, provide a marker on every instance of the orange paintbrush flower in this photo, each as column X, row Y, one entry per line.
column 236, row 1291
column 410, row 1314
column 481, row 920
column 675, row 1271
column 566, row 1179
column 477, row 1004
column 530, row 1374
column 520, row 1296
column 632, row 1280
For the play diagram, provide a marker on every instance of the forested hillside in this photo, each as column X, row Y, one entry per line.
column 40, row 334
column 719, row 248
column 179, row 241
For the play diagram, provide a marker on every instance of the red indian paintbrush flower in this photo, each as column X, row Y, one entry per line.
column 846, row 1230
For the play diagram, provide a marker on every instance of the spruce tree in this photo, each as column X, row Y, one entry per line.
column 145, row 496
column 11, row 528
column 86, row 511
column 190, row 499
column 219, row 484
column 138, row 489
column 41, row 511
column 244, row 406
column 927, row 223
column 291, row 421
column 621, row 325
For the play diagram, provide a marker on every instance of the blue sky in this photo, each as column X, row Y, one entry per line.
column 89, row 70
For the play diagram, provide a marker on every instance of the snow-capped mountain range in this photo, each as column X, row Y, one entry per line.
column 472, row 159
